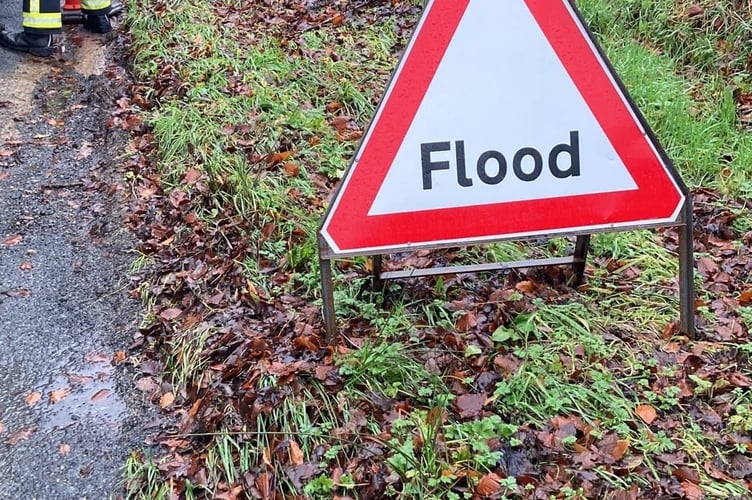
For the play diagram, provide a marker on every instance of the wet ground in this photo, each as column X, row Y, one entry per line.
column 67, row 417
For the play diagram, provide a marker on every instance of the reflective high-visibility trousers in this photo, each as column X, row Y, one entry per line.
column 43, row 16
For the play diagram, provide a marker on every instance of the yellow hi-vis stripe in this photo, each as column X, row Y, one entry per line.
column 52, row 20
column 95, row 4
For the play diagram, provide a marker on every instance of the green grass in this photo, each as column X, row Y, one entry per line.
column 670, row 65
column 253, row 111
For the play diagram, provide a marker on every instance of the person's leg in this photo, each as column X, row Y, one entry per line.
column 95, row 15
column 41, row 20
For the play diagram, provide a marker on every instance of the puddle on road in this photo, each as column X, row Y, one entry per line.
column 83, row 392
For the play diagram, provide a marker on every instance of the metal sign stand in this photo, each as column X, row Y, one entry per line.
column 577, row 260
column 686, row 271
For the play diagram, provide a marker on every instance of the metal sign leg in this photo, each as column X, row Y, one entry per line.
column 581, row 248
column 327, row 297
column 686, row 273
column 378, row 281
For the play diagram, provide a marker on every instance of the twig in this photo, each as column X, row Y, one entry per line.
column 62, row 185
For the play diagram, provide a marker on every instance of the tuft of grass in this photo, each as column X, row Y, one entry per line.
column 142, row 479
column 186, row 361
column 564, row 369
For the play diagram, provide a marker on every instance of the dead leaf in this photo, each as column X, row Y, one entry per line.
column 33, row 398
column 684, row 473
column 306, row 342
column 192, row 175
column 647, row 413
column 26, row 265
column 620, row 449
column 100, row 395
column 338, row 19
column 739, row 380
column 341, row 123
column 470, row 405
column 5, row 153
column 695, row 10
column 280, row 157
column 12, row 240
column 20, row 435
column 146, row 191
column 291, row 169
column 671, row 347
column 692, row 491
column 707, row 266
column 508, row 363
column 177, row 199
column 466, row 322
column 74, row 379
column 118, row 357
column 170, row 314
column 488, row 485
column 296, row 454
column 4, row 175
column 59, row 394
column 84, row 151
column 2, row 428
column 96, row 357
column 64, row 449
column 166, row 400
column 147, row 384
column 525, row 286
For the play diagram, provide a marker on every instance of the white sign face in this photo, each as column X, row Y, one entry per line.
column 512, row 128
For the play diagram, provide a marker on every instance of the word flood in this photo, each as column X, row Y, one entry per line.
column 491, row 166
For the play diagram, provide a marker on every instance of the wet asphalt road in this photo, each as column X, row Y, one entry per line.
column 68, row 418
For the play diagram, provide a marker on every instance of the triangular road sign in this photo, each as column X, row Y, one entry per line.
column 503, row 120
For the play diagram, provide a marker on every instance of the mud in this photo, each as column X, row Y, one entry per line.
column 68, row 413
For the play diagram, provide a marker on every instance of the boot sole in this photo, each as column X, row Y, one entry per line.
column 45, row 52
column 35, row 51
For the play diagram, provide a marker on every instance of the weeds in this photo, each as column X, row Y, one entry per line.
column 268, row 115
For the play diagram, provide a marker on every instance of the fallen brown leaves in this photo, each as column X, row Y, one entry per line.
column 724, row 263
column 20, row 435
column 647, row 413
column 59, row 394
column 200, row 285
column 100, row 395
column 11, row 240
column 33, row 398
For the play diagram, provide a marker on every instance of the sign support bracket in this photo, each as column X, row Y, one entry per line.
column 577, row 260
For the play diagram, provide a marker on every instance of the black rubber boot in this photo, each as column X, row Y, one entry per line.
column 21, row 41
column 97, row 23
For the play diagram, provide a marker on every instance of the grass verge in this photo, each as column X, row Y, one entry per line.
column 461, row 387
